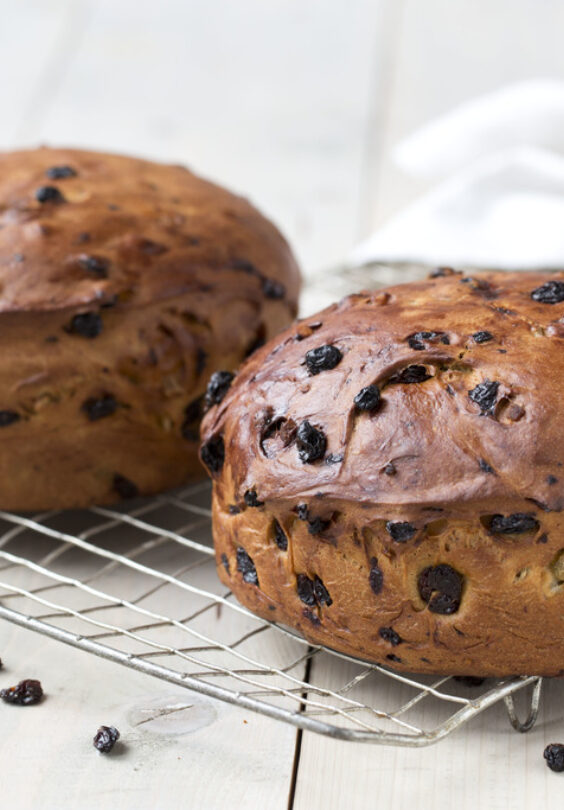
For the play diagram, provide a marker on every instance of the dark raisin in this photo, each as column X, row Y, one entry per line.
column 334, row 458
column 124, row 487
column 368, row 399
column 550, row 293
column 554, row 755
column 471, row 681
column 225, row 563
column 321, row 593
column 442, row 272
column 441, row 587
column 273, row 289
column 390, row 635
column 246, row 567
column 99, row 408
column 60, row 172
column 96, row 265
column 105, row 739
column 251, row 499
column 233, row 509
column 279, row 537
column 390, row 468
column 410, row 374
column 482, row 337
column 551, row 480
column 401, row 532
column 484, row 466
column 392, row 657
column 302, row 511
column 218, row 386
column 8, row 418
column 323, row 358
column 212, row 453
column 517, row 523
column 26, row 693
column 46, row 194
column 485, row 395
column 305, row 589
column 192, row 414
column 376, row 577
column 311, row 443
column 86, row 324
column 317, row 525
column 418, row 340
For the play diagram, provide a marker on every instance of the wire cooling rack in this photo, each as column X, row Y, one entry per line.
column 136, row 584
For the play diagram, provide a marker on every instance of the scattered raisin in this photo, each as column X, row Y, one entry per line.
column 389, row 634
column 246, row 567
column 400, row 532
column 218, row 386
column 482, row 337
column 86, row 324
column 124, row 487
column 441, row 587
column 99, row 408
column 392, row 657
column 251, row 499
column 376, row 577
column 26, row 693
column 49, row 194
column 225, row 563
column 317, row 525
column 485, row 395
column 96, row 265
column 8, row 418
column 305, row 589
column 105, row 739
column 418, row 340
column 390, row 468
column 442, row 272
column 410, row 374
column 279, row 537
column 484, row 466
column 552, row 292
column 321, row 593
column 60, row 172
column 323, row 358
column 368, row 398
column 551, row 480
column 302, row 511
column 554, row 755
column 334, row 458
column 212, row 453
column 518, row 523
column 273, row 289
column 311, row 443
column 234, row 509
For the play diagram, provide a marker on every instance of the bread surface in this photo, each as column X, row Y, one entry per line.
column 123, row 285
column 388, row 476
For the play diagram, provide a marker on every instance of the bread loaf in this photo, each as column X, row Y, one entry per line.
column 123, row 285
column 388, row 476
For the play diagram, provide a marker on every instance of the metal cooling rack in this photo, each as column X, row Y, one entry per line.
column 136, row 584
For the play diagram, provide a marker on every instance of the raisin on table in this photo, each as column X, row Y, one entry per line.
column 105, row 739
column 554, row 755
column 26, row 693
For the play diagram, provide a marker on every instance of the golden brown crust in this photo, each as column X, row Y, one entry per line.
column 121, row 291
column 427, row 534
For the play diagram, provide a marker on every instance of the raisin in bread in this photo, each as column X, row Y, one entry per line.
column 388, row 476
column 123, row 285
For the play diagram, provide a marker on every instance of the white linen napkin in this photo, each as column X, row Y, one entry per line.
column 502, row 203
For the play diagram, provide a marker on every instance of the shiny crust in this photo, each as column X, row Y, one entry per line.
column 436, row 454
column 178, row 276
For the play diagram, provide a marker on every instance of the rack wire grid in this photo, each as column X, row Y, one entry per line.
column 136, row 584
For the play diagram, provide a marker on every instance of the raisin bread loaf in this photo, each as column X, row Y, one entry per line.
column 388, row 476
column 123, row 285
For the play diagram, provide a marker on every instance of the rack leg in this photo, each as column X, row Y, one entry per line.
column 534, row 705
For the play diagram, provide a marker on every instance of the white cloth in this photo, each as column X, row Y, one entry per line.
column 502, row 202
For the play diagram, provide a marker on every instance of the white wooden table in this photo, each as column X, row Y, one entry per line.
column 296, row 103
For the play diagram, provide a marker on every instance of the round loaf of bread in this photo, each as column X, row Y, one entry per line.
column 389, row 480
column 123, row 285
